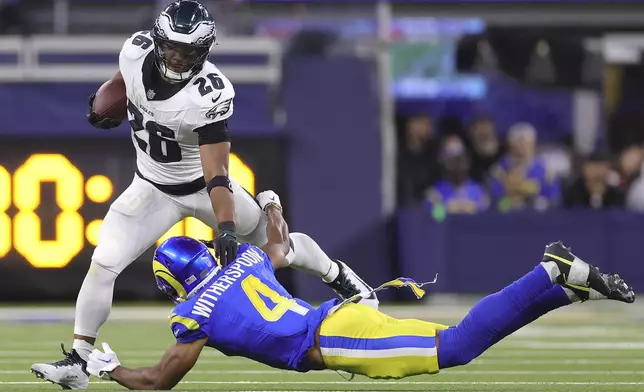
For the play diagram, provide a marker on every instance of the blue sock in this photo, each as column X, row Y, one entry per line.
column 498, row 315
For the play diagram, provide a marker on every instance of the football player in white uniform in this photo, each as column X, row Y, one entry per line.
column 178, row 104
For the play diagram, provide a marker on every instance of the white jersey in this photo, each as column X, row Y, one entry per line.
column 167, row 149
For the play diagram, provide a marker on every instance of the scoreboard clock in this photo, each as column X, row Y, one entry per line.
column 54, row 193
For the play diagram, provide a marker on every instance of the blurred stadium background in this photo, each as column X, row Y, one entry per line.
column 407, row 138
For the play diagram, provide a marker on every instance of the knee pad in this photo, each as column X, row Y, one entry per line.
column 107, row 256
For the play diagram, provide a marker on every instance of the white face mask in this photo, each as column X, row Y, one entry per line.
column 171, row 76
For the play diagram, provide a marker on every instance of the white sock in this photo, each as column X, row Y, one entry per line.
column 552, row 270
column 311, row 258
column 93, row 306
column 333, row 273
column 83, row 348
column 578, row 274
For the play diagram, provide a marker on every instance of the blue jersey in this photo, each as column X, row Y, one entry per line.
column 244, row 311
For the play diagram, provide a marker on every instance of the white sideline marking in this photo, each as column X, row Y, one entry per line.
column 607, row 361
column 540, row 345
column 446, row 371
column 125, row 353
column 589, row 383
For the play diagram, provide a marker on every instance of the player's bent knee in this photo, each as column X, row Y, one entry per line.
column 455, row 348
column 107, row 256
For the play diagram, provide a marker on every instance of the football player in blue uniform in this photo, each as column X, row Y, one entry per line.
column 241, row 310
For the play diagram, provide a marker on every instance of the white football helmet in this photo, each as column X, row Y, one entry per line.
column 183, row 35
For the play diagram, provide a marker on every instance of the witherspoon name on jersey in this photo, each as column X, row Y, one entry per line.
column 203, row 306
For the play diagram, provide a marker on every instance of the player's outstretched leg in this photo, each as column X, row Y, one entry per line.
column 308, row 256
column 559, row 280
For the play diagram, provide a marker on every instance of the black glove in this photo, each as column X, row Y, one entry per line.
column 209, row 243
column 98, row 121
column 226, row 243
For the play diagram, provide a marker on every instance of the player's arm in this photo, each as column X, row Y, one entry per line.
column 278, row 245
column 172, row 367
column 214, row 148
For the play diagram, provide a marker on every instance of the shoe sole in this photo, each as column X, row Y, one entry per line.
column 41, row 376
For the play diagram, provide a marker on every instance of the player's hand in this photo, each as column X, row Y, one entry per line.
column 101, row 363
column 226, row 243
column 268, row 198
column 209, row 243
column 98, row 121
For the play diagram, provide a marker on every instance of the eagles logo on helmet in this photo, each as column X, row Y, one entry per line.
column 183, row 35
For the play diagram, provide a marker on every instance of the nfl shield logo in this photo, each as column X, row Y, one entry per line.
column 151, row 94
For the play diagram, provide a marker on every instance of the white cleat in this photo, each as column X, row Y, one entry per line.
column 69, row 373
column 348, row 284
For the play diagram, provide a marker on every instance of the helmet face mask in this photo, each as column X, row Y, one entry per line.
column 183, row 267
column 168, row 290
column 183, row 35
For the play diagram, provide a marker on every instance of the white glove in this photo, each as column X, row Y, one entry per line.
column 100, row 364
column 268, row 198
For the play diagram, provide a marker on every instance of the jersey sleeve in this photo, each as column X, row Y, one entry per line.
column 213, row 101
column 186, row 329
column 136, row 46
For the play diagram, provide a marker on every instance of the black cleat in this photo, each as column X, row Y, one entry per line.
column 560, row 254
column 348, row 284
column 585, row 280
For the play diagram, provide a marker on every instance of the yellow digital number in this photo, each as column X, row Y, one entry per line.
column 193, row 227
column 242, row 173
column 253, row 287
column 5, row 220
column 69, row 198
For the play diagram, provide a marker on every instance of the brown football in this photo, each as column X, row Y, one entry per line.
column 110, row 100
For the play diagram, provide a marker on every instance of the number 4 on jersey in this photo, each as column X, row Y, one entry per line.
column 253, row 287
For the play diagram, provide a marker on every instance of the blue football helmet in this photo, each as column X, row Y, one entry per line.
column 183, row 266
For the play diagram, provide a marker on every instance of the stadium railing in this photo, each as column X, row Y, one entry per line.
column 21, row 58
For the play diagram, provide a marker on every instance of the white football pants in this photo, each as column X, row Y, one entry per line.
column 135, row 221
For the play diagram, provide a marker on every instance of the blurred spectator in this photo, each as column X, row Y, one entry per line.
column 486, row 60
column 635, row 195
column 456, row 193
column 629, row 167
column 451, row 125
column 417, row 164
column 541, row 68
column 486, row 148
column 12, row 20
column 591, row 189
column 521, row 179
column 558, row 158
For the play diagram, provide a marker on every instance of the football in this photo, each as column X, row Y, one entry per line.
column 110, row 100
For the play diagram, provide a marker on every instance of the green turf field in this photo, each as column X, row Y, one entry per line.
column 583, row 352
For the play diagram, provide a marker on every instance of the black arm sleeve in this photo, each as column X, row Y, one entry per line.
column 213, row 133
